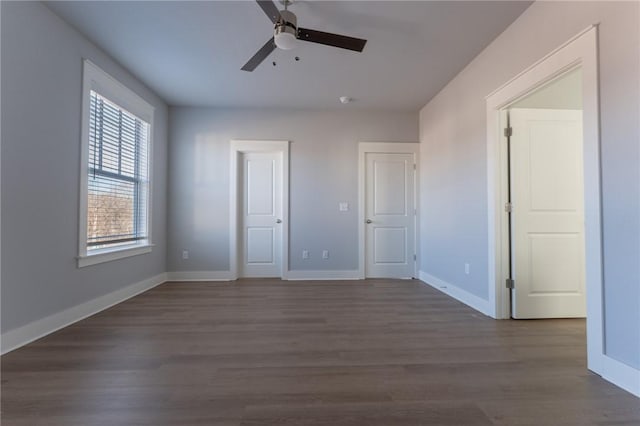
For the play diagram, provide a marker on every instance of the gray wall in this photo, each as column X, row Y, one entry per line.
column 453, row 156
column 323, row 172
column 41, row 97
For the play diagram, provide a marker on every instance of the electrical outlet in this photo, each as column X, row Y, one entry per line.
column 343, row 207
column 305, row 254
column 185, row 254
column 467, row 268
column 325, row 254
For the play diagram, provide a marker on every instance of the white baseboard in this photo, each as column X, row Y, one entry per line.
column 457, row 293
column 621, row 375
column 200, row 276
column 13, row 339
column 322, row 275
column 290, row 275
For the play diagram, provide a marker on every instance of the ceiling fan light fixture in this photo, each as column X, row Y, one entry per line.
column 285, row 38
column 286, row 31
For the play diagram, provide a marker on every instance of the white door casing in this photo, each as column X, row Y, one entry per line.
column 581, row 50
column 388, row 207
column 547, row 219
column 259, row 187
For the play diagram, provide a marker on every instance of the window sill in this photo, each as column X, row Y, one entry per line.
column 113, row 254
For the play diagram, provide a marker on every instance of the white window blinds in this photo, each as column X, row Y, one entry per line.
column 118, row 184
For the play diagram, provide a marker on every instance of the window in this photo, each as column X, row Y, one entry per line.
column 115, row 171
column 117, row 181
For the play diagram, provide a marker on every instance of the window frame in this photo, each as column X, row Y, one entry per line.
column 97, row 80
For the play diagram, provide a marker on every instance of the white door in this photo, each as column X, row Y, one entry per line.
column 261, row 227
column 389, row 215
column 547, row 221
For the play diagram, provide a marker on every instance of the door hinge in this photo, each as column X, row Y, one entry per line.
column 414, row 166
column 414, row 258
column 508, row 207
column 510, row 283
column 508, row 131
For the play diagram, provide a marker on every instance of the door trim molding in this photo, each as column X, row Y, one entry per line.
column 384, row 148
column 580, row 51
column 238, row 147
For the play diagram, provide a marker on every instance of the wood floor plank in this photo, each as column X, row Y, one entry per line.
column 339, row 353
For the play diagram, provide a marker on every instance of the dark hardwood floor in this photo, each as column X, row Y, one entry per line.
column 266, row 352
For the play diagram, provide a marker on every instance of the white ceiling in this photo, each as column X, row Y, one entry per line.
column 190, row 53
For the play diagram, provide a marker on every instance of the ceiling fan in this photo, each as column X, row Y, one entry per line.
column 286, row 32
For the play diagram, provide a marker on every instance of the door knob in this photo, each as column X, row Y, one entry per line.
column 278, row 221
column 369, row 221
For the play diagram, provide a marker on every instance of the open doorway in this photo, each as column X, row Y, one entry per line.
column 545, row 207
column 577, row 53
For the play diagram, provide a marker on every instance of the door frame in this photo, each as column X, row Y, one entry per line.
column 384, row 148
column 237, row 148
column 580, row 51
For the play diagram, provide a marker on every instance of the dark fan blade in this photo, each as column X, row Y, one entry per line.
column 260, row 55
column 270, row 9
column 329, row 39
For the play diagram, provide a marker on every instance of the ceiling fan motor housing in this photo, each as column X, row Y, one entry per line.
column 286, row 30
